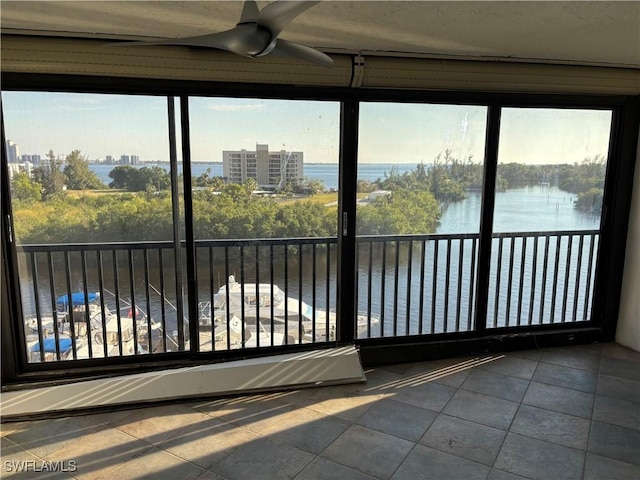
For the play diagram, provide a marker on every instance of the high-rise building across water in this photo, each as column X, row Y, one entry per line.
column 271, row 170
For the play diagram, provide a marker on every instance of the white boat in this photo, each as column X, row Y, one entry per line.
column 264, row 308
column 242, row 316
column 84, row 327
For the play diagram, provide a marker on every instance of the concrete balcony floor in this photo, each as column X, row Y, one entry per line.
column 561, row 413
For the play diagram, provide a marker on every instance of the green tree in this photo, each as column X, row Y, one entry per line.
column 402, row 212
column 50, row 177
column 590, row 201
column 309, row 186
column 145, row 179
column 79, row 175
column 122, row 176
column 23, row 189
column 305, row 219
column 250, row 185
column 206, row 180
column 155, row 176
column 365, row 186
column 582, row 177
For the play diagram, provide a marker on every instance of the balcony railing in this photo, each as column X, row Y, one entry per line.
column 112, row 300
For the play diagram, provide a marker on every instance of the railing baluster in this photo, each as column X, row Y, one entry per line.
column 258, row 295
column 567, row 271
column 370, row 289
column 286, row 294
column 523, row 260
column 242, row 297
column 163, row 307
column 555, row 277
column 472, row 277
column 212, row 300
column 459, row 299
column 271, row 288
column 36, row 293
column 116, row 282
column 328, row 294
column 147, row 293
column 103, row 313
column 396, row 280
column 356, row 291
column 383, row 277
column 498, row 278
column 70, row 319
column 545, row 264
column 512, row 248
column 54, row 309
column 534, row 265
column 85, row 290
column 228, row 297
column 313, row 295
column 408, row 309
column 132, row 290
column 587, row 294
column 300, row 293
column 421, row 301
column 577, row 287
column 447, row 282
column 434, row 285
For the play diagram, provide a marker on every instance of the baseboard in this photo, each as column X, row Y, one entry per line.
column 296, row 370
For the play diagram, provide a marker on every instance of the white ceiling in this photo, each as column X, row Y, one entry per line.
column 572, row 32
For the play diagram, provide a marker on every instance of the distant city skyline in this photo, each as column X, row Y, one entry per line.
column 14, row 156
column 99, row 125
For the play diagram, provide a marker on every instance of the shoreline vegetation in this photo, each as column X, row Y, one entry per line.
column 67, row 202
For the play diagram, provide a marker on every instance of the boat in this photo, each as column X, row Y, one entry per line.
column 265, row 308
column 240, row 316
column 82, row 319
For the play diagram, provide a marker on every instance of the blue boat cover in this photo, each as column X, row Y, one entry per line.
column 77, row 298
column 50, row 345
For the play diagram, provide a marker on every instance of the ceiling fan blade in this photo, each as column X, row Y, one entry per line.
column 250, row 12
column 277, row 15
column 229, row 40
column 302, row 52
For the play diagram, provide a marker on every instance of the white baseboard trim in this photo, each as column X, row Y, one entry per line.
column 295, row 370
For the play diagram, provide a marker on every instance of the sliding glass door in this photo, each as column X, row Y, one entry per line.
column 548, row 202
column 95, row 204
column 265, row 214
column 420, row 177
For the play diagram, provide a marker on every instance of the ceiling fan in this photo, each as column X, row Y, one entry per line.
column 255, row 35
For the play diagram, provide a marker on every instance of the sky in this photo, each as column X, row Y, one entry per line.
column 101, row 125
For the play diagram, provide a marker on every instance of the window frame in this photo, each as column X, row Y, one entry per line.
column 610, row 263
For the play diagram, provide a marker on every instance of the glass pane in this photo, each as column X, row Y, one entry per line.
column 89, row 172
column 420, row 173
column 265, row 179
column 549, row 186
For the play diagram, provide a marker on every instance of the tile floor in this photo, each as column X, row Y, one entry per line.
column 563, row 413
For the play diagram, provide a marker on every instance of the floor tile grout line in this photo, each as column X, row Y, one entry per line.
column 27, row 450
column 562, row 386
column 508, row 430
column 593, row 411
column 415, row 444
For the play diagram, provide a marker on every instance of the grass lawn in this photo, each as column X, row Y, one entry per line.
column 95, row 193
column 323, row 198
